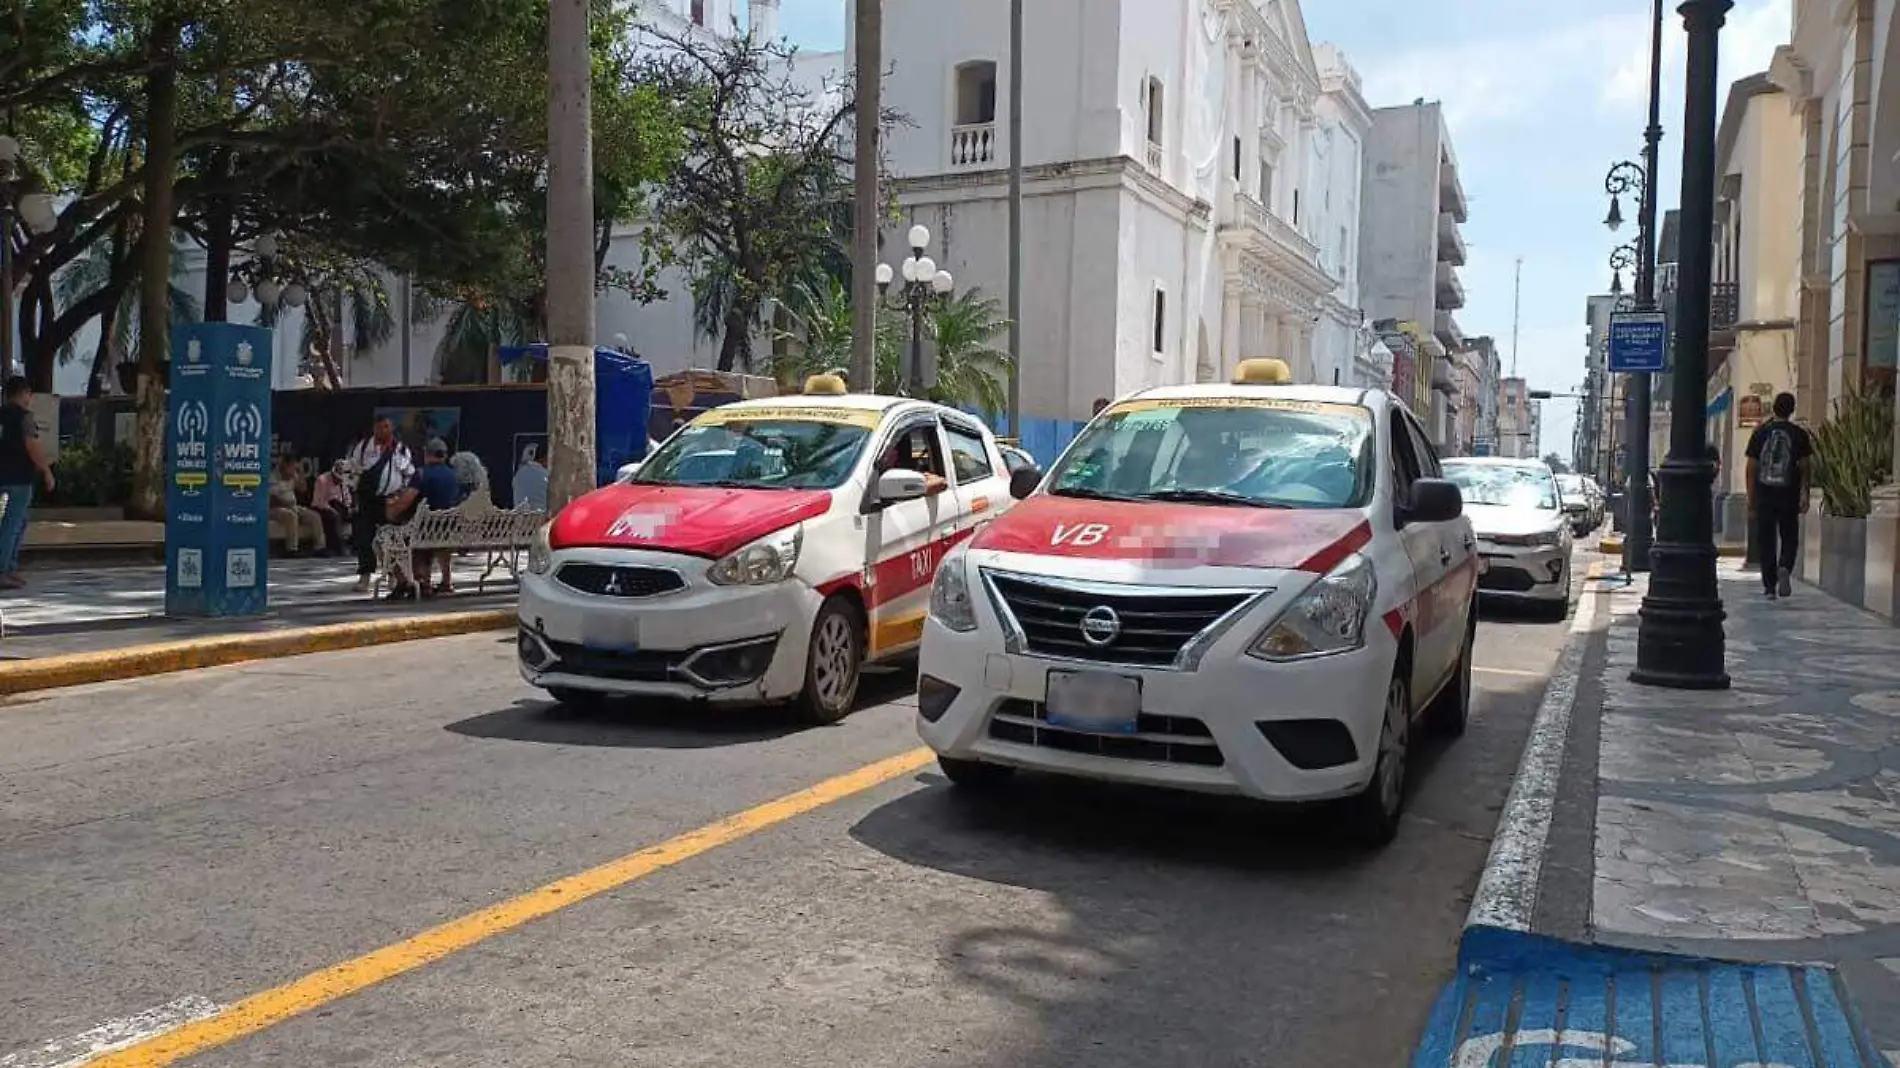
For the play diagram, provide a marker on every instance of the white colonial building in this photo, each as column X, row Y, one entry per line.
column 1188, row 168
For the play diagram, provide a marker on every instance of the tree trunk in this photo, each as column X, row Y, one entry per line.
column 155, row 260
column 735, row 343
column 570, row 258
column 36, row 322
column 103, row 363
column 218, row 244
column 869, row 74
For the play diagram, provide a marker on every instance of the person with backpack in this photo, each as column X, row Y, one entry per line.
column 1779, row 454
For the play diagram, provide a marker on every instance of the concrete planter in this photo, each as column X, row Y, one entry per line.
column 1882, row 566
column 1844, row 557
column 1809, row 569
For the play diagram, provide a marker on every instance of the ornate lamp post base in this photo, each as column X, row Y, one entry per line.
column 1680, row 643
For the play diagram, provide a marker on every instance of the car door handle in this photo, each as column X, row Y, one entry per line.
column 1444, row 557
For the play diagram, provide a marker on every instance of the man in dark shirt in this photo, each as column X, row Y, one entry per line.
column 23, row 465
column 436, row 485
column 1779, row 455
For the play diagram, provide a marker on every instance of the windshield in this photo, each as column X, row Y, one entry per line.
column 762, row 449
column 1254, row 452
column 1570, row 485
column 1509, row 485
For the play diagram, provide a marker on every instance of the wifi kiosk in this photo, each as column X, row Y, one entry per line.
column 217, row 489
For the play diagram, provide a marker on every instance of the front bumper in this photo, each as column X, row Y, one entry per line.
column 1285, row 732
column 1531, row 573
column 700, row 642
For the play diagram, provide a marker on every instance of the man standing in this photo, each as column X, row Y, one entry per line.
column 1779, row 454
column 23, row 464
column 383, row 469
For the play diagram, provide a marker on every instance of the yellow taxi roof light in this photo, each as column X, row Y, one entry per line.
column 825, row 386
column 1262, row 373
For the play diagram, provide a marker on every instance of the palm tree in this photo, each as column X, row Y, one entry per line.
column 971, row 372
column 119, row 331
column 476, row 328
column 357, row 289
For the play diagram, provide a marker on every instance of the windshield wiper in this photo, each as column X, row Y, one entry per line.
column 1089, row 494
column 1205, row 496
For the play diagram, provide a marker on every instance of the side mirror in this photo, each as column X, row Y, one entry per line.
column 899, row 484
column 1023, row 481
column 627, row 471
column 1435, row 500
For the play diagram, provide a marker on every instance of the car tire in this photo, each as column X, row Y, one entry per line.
column 1559, row 610
column 834, row 662
column 1372, row 815
column 1450, row 711
column 974, row 775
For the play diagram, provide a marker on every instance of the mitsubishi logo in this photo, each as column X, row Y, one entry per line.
column 613, row 588
column 1101, row 625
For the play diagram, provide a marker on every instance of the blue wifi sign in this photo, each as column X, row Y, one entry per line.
column 217, row 520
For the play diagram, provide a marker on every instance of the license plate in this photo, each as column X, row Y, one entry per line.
column 611, row 633
column 1093, row 702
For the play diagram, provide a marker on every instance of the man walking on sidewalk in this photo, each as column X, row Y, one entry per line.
column 1779, row 453
column 23, row 465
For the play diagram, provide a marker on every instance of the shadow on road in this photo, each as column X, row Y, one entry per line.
column 650, row 724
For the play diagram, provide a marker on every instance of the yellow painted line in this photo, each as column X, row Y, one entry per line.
column 1512, row 671
column 79, row 669
column 320, row 988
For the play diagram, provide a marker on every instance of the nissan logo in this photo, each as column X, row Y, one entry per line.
column 1101, row 626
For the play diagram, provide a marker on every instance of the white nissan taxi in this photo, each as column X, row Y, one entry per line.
column 1255, row 588
column 762, row 554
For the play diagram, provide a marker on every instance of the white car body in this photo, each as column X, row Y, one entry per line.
column 1526, row 549
column 620, row 600
column 1198, row 585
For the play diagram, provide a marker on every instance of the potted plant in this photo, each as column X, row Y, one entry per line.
column 1853, row 453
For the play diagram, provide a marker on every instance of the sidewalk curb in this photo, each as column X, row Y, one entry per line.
column 79, row 669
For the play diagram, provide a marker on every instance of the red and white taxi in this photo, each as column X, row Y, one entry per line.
column 1254, row 588
column 763, row 553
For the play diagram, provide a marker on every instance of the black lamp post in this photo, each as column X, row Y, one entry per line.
column 923, row 283
column 1679, row 642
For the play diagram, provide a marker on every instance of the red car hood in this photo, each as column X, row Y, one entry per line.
column 707, row 521
column 1183, row 535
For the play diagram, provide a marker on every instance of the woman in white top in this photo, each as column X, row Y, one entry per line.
column 383, row 469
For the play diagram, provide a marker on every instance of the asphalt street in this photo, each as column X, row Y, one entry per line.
column 172, row 847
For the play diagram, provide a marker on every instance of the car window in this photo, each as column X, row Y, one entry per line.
column 1428, row 465
column 969, row 455
column 1264, row 452
column 1508, row 485
column 1016, row 459
column 762, row 449
column 914, row 446
column 1405, row 466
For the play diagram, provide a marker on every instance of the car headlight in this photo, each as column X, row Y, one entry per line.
column 950, row 602
column 768, row 560
column 1553, row 536
column 1329, row 617
column 540, row 551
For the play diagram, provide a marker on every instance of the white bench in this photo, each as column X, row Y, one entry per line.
column 475, row 525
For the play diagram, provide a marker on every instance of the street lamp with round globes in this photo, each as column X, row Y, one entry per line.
column 37, row 212
column 923, row 282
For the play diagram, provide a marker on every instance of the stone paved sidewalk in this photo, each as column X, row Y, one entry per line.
column 1761, row 823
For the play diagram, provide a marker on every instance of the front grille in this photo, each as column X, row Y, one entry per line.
column 1506, row 580
column 608, row 580
column 637, row 666
column 1157, row 738
column 1154, row 627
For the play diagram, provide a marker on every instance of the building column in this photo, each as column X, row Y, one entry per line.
column 1253, row 327
column 1229, row 331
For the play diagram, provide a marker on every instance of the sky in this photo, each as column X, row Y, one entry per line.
column 1540, row 106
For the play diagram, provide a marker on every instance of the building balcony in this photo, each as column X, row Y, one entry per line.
column 1442, row 380
column 1725, row 306
column 973, row 146
column 1451, row 192
column 1445, row 329
column 1154, row 158
column 1450, row 291
column 1252, row 215
column 1451, row 243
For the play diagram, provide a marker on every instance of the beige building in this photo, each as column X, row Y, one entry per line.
column 1757, row 279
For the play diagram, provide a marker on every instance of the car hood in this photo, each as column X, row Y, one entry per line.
column 1158, row 535
column 707, row 521
column 1510, row 520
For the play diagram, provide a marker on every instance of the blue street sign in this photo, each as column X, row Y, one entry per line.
column 217, row 495
column 1639, row 341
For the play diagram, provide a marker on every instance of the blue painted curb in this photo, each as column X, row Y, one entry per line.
column 1522, row 1000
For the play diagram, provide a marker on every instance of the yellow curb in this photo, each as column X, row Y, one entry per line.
column 1610, row 545
column 79, row 669
column 1613, row 546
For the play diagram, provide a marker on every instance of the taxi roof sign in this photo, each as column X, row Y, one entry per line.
column 1262, row 373
column 825, row 386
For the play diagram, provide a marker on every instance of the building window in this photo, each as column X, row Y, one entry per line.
column 976, row 93
column 1236, row 159
column 1161, row 321
column 1296, row 207
column 1266, row 184
column 699, row 12
column 1156, row 100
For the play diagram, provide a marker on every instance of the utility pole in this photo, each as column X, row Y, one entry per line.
column 1517, row 294
column 867, row 113
column 1679, row 639
column 1016, row 217
column 570, row 255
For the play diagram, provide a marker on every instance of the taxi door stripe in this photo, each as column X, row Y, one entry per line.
column 1330, row 557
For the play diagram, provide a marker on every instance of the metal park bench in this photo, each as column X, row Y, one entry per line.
column 475, row 525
